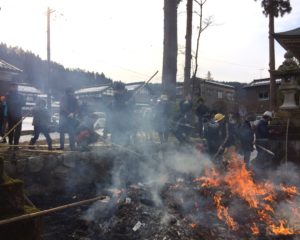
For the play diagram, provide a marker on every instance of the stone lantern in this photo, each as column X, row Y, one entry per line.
column 289, row 73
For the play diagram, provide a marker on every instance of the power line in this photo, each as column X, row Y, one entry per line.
column 232, row 63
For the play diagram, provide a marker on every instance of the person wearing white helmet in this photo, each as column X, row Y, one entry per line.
column 263, row 135
column 268, row 114
column 262, row 128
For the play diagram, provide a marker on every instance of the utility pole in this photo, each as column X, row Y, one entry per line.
column 47, row 85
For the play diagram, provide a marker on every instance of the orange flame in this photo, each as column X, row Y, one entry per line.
column 281, row 229
column 241, row 182
column 292, row 190
column 260, row 196
column 223, row 213
column 211, row 178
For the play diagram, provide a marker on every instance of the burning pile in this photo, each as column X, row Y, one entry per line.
column 246, row 206
column 228, row 203
column 163, row 199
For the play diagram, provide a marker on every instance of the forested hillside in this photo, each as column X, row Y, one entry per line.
column 35, row 71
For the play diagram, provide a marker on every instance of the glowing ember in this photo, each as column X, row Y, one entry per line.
column 193, row 225
column 254, row 229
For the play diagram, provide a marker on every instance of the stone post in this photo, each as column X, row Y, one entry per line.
column 289, row 73
column 1, row 169
column 289, row 88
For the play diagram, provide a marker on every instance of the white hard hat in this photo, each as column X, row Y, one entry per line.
column 268, row 114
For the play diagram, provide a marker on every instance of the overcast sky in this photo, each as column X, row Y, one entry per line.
column 124, row 39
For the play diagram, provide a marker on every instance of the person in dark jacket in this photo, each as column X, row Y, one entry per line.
column 41, row 122
column 233, row 125
column 183, row 127
column 186, row 107
column 3, row 117
column 161, row 118
column 262, row 128
column 15, row 101
column 201, row 112
column 69, row 107
column 262, row 135
column 218, row 135
column 246, row 135
column 120, row 115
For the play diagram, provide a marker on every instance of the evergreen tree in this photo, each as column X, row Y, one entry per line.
column 35, row 71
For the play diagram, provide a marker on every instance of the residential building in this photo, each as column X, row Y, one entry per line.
column 31, row 95
column 99, row 97
column 142, row 93
column 218, row 96
column 8, row 74
column 257, row 94
column 96, row 97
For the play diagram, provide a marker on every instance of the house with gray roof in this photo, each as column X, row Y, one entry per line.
column 97, row 97
column 8, row 74
column 218, row 96
column 257, row 95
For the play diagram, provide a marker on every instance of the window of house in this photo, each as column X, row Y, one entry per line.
column 263, row 96
column 108, row 92
column 209, row 91
column 220, row 94
column 230, row 96
column 29, row 99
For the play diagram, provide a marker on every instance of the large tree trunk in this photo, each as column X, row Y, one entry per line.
column 272, row 60
column 188, row 48
column 169, row 70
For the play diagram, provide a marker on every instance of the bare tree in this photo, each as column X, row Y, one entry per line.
column 203, row 24
column 273, row 8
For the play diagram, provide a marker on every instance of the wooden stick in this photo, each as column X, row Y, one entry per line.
column 46, row 151
column 120, row 146
column 139, row 89
column 286, row 142
column 17, row 124
column 48, row 211
column 265, row 149
column 26, row 145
